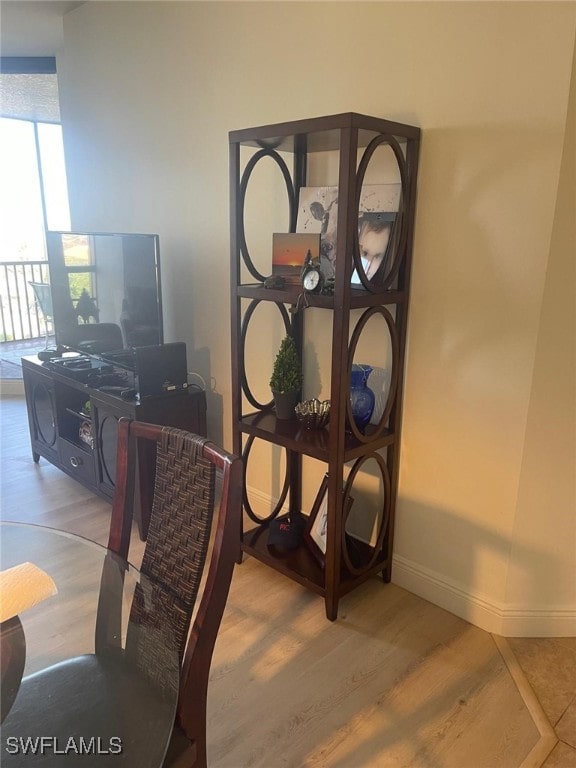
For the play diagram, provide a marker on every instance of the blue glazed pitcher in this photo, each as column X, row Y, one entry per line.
column 362, row 398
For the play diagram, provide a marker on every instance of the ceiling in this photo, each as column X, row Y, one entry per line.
column 31, row 27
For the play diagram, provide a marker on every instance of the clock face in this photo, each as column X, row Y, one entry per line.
column 311, row 280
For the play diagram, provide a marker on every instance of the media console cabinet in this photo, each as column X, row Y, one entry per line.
column 74, row 425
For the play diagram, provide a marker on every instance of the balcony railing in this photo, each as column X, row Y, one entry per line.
column 20, row 316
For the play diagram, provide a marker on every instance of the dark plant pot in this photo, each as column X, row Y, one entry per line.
column 284, row 403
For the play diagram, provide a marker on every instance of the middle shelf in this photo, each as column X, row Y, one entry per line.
column 309, row 442
column 359, row 299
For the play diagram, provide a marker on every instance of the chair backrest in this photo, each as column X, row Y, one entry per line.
column 43, row 294
column 177, row 500
column 92, row 337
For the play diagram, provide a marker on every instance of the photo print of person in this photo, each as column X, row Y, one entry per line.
column 374, row 232
column 318, row 212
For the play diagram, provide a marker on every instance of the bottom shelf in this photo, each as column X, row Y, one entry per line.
column 300, row 565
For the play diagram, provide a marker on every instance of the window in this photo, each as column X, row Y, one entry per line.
column 33, row 192
column 33, row 189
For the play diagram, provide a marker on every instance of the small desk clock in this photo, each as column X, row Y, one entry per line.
column 311, row 274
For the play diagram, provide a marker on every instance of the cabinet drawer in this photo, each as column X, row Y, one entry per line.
column 77, row 462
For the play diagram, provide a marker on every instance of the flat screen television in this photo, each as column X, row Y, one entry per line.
column 105, row 290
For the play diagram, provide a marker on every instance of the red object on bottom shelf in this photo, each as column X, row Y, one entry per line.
column 300, row 565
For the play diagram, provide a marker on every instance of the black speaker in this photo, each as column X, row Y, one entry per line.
column 160, row 369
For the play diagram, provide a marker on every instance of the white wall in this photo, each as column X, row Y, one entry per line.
column 149, row 92
column 544, row 536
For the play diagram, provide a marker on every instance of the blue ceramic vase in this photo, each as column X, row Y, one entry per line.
column 362, row 398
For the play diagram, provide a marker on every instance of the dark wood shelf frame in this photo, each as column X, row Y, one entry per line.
column 355, row 137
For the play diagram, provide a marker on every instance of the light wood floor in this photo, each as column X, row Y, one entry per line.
column 395, row 682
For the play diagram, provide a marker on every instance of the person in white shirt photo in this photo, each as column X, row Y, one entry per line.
column 373, row 239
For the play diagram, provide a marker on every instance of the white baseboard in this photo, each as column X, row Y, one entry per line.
column 500, row 619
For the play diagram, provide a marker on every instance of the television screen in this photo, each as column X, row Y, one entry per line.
column 105, row 289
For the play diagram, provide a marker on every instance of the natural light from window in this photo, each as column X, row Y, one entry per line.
column 21, row 215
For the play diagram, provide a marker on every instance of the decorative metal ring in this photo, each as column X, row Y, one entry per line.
column 399, row 234
column 243, row 186
column 244, row 330
column 394, row 373
column 249, row 511
column 377, row 548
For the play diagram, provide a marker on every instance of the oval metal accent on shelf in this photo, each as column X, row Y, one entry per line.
column 242, row 199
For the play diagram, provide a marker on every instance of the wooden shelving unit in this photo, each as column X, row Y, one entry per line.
column 355, row 139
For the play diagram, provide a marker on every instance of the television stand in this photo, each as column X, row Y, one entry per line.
column 74, row 425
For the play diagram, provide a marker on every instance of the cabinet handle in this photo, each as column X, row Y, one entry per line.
column 75, row 461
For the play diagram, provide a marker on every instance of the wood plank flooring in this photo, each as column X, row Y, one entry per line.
column 396, row 682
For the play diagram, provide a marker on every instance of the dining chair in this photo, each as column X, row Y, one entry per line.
column 177, row 500
column 190, row 551
column 12, row 660
column 92, row 337
column 43, row 296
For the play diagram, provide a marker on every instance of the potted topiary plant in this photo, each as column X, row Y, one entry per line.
column 286, row 380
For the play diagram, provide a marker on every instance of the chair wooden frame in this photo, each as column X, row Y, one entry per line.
column 12, row 661
column 136, row 443
column 156, row 671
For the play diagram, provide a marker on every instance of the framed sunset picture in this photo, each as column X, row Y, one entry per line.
column 289, row 251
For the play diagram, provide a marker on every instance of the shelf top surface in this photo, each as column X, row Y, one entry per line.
column 359, row 298
column 321, row 133
column 312, row 442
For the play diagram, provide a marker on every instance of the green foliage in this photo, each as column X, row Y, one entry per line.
column 287, row 371
column 78, row 282
column 78, row 255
